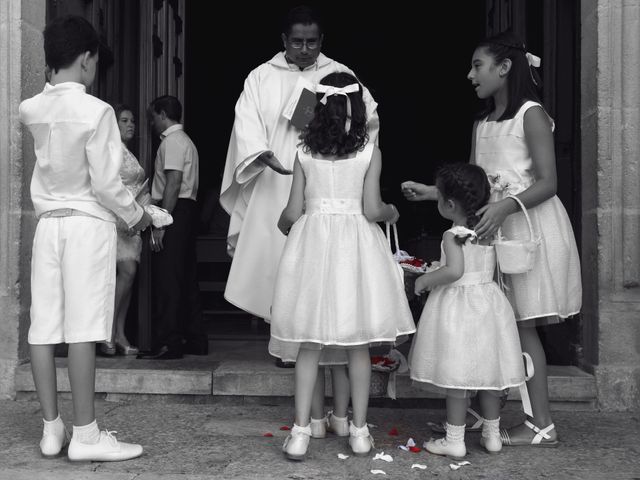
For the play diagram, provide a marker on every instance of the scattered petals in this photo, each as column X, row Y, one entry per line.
column 419, row 465
column 268, row 434
column 372, row 425
column 403, row 447
column 394, row 432
column 342, row 456
column 284, row 427
column 378, row 472
column 415, row 449
column 383, row 456
column 456, row 466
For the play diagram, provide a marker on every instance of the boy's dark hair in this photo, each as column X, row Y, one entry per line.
column 301, row 14
column 522, row 80
column 467, row 184
column 326, row 132
column 122, row 107
column 67, row 37
column 170, row 104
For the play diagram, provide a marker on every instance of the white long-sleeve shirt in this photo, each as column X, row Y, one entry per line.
column 78, row 154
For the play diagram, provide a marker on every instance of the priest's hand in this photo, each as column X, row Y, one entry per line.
column 270, row 160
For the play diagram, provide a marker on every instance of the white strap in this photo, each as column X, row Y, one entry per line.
column 388, row 226
column 526, row 216
column 524, row 392
column 540, row 433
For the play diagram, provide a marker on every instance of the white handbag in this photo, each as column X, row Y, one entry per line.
column 516, row 256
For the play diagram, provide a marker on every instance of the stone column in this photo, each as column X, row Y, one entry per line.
column 21, row 75
column 611, row 197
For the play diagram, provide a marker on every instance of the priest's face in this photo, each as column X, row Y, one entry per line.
column 302, row 44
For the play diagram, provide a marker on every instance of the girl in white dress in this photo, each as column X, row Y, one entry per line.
column 513, row 142
column 467, row 337
column 338, row 289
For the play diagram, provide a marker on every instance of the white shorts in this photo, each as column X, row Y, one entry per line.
column 73, row 279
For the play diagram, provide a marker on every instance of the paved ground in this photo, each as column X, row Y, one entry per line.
column 226, row 441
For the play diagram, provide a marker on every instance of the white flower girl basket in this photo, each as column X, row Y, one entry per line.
column 516, row 256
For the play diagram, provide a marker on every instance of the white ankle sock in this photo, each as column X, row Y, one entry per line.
column 491, row 427
column 455, row 433
column 89, row 434
column 54, row 426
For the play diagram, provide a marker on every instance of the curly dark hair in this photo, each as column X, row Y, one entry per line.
column 326, row 133
column 468, row 185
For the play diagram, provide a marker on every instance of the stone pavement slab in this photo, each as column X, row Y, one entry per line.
column 209, row 441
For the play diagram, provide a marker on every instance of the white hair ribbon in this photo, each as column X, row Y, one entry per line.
column 329, row 90
column 533, row 60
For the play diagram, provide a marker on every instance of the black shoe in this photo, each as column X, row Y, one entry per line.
column 198, row 346
column 281, row 364
column 163, row 353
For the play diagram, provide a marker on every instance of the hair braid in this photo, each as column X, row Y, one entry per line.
column 468, row 185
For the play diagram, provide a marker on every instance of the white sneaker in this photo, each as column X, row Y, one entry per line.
column 360, row 440
column 337, row 425
column 54, row 439
column 454, row 450
column 296, row 444
column 108, row 449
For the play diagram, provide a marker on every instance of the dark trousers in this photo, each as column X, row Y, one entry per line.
column 177, row 309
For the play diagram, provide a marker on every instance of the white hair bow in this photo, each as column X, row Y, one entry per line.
column 328, row 90
column 533, row 60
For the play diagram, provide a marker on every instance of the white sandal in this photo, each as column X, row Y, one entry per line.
column 540, row 439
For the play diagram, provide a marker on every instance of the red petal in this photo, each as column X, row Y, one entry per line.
column 415, row 449
column 268, row 434
column 394, row 432
column 284, row 427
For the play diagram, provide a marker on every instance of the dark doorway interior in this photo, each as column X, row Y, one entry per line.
column 426, row 118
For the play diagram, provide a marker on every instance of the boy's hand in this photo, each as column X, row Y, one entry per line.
column 143, row 223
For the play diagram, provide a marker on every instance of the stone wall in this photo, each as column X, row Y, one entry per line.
column 610, row 121
column 21, row 75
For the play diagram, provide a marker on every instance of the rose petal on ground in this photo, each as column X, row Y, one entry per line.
column 268, row 434
column 419, row 465
column 415, row 449
column 394, row 432
column 284, row 427
column 342, row 456
column 378, row 472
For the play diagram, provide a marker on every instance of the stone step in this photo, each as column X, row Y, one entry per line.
column 243, row 368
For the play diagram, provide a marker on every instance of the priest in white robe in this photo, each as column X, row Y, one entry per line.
column 257, row 177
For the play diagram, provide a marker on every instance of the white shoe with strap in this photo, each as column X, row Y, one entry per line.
column 297, row 442
column 108, row 449
column 540, row 439
column 452, row 446
column 360, row 440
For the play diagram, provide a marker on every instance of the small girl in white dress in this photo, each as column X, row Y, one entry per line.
column 467, row 336
column 338, row 289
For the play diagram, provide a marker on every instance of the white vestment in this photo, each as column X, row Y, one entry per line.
column 255, row 195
